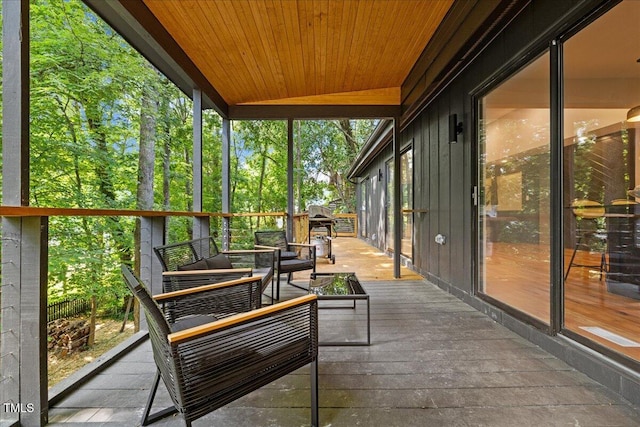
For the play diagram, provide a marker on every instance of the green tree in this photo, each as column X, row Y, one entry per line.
column 85, row 106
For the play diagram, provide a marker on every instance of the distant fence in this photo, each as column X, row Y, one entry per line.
column 67, row 308
column 346, row 225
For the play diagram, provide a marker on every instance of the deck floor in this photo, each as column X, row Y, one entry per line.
column 433, row 361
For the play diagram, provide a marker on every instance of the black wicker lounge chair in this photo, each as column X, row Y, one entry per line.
column 290, row 257
column 199, row 262
column 207, row 363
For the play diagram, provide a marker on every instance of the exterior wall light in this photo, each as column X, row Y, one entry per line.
column 455, row 128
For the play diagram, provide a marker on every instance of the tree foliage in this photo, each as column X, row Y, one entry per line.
column 107, row 129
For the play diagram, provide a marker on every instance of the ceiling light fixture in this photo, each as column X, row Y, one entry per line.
column 633, row 115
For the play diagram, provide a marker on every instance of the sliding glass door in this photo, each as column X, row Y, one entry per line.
column 601, row 171
column 514, row 244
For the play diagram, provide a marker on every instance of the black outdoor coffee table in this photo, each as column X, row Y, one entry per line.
column 336, row 287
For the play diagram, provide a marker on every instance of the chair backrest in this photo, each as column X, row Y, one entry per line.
column 587, row 209
column 178, row 254
column 274, row 238
column 205, row 247
column 174, row 255
column 159, row 331
column 155, row 317
column 623, row 202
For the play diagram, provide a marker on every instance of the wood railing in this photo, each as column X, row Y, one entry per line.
column 345, row 225
column 26, row 243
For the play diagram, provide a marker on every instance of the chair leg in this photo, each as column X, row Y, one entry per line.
column 603, row 264
column 148, row 418
column 314, row 394
column 273, row 284
column 573, row 256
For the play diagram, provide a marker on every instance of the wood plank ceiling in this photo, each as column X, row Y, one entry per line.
column 311, row 52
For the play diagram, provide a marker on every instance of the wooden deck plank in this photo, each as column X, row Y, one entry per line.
column 369, row 263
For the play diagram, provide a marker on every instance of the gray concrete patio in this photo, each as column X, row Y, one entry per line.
column 433, row 361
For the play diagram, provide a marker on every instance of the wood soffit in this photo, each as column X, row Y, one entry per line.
column 302, row 58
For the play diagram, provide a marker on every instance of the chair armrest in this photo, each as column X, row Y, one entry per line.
column 258, row 259
column 206, row 272
column 304, row 245
column 248, row 251
column 169, row 296
column 220, row 300
column 271, row 248
column 312, row 249
column 277, row 252
column 254, row 315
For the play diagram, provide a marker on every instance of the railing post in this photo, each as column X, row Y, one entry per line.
column 397, row 206
column 24, row 319
column 151, row 235
column 201, row 227
column 226, row 233
column 226, row 183
column 290, row 200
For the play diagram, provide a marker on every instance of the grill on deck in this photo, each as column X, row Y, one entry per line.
column 321, row 217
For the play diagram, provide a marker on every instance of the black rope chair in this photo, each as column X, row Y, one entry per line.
column 199, row 262
column 207, row 363
column 290, row 257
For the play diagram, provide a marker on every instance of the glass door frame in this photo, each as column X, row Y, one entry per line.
column 555, row 181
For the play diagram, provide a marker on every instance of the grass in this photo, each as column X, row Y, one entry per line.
column 108, row 335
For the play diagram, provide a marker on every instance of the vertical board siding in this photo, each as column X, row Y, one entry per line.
column 459, row 192
column 433, row 264
column 444, row 199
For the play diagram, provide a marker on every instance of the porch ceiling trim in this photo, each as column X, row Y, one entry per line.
column 310, row 112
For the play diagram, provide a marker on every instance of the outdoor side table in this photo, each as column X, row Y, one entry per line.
column 340, row 287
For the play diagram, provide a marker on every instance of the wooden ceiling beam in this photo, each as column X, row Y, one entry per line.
column 318, row 112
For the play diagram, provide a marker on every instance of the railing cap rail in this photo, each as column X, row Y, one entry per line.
column 30, row 211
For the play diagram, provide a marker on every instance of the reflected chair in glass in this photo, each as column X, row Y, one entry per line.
column 622, row 241
column 591, row 235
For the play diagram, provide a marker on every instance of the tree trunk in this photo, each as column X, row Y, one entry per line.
column 345, row 188
column 263, row 169
column 92, row 321
column 146, row 161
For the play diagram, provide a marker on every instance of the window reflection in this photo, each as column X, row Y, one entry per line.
column 601, row 228
column 514, row 191
column 406, row 191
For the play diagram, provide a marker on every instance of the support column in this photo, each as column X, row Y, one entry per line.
column 226, row 182
column 200, row 224
column 290, row 209
column 23, row 348
column 397, row 205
